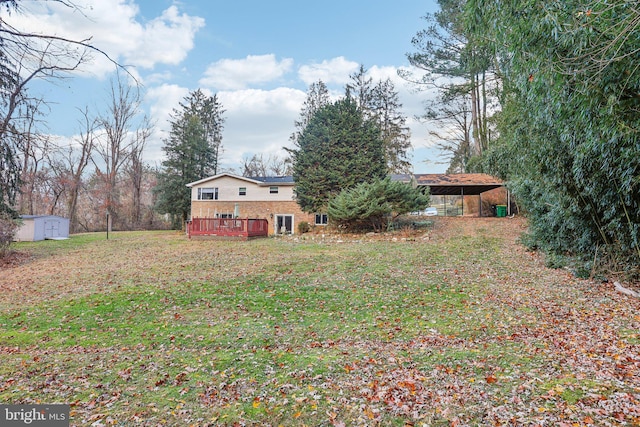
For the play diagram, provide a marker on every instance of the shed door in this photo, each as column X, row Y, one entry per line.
column 51, row 229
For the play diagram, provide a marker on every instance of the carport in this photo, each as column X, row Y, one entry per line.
column 464, row 184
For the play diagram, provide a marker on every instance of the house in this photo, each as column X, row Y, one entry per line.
column 41, row 227
column 230, row 196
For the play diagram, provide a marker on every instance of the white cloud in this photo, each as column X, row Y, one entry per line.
column 115, row 27
column 166, row 39
column 383, row 73
column 258, row 121
column 332, row 71
column 157, row 78
column 235, row 74
column 262, row 101
column 162, row 101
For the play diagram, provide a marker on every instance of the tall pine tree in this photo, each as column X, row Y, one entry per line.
column 338, row 149
column 395, row 133
column 456, row 63
column 192, row 151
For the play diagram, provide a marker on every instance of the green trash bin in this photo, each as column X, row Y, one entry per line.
column 501, row 211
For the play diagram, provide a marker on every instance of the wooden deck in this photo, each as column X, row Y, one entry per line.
column 241, row 228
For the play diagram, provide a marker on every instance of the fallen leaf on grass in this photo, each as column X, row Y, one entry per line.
column 491, row 379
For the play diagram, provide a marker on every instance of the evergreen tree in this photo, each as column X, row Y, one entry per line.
column 361, row 90
column 373, row 204
column 337, row 149
column 392, row 123
column 12, row 97
column 570, row 125
column 208, row 111
column 192, row 151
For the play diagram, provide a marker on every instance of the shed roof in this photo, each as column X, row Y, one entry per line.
column 468, row 184
column 40, row 216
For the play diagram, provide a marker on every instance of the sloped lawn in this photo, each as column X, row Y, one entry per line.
column 458, row 325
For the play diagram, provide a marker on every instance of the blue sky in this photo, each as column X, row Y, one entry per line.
column 258, row 56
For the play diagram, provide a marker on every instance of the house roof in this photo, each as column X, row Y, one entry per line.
column 274, row 179
column 468, row 184
column 259, row 180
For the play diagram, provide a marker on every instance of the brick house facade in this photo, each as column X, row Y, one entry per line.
column 272, row 198
column 231, row 196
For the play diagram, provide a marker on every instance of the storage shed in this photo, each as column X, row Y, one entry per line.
column 41, row 227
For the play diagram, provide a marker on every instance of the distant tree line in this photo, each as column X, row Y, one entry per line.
column 40, row 175
column 100, row 172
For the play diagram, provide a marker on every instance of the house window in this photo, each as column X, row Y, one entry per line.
column 242, row 191
column 208, row 193
column 322, row 219
column 226, row 215
column 273, row 190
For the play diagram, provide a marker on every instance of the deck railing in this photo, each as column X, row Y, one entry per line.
column 228, row 227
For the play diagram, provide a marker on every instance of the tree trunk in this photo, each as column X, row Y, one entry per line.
column 474, row 116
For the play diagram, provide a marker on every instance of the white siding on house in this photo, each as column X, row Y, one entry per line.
column 229, row 188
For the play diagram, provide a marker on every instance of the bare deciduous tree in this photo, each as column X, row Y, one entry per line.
column 115, row 145
column 136, row 171
column 71, row 166
column 25, row 57
column 272, row 165
column 32, row 149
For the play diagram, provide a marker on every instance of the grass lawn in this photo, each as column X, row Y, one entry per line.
column 459, row 325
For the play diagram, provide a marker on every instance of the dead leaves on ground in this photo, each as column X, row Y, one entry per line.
column 496, row 339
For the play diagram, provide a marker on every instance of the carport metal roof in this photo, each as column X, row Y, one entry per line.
column 468, row 184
